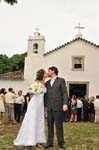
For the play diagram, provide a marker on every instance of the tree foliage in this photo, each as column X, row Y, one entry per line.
column 12, row 2
column 16, row 62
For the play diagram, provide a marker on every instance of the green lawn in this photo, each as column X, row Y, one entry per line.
column 76, row 134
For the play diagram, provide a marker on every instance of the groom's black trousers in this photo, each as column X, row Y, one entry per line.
column 57, row 118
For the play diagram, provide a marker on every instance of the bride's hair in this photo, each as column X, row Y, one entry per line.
column 40, row 74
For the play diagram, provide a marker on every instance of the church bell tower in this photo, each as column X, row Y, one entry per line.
column 35, row 54
column 36, row 44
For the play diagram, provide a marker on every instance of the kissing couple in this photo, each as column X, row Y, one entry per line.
column 53, row 95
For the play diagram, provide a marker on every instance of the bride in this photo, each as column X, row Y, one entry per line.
column 32, row 130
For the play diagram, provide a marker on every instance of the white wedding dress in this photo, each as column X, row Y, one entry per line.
column 32, row 130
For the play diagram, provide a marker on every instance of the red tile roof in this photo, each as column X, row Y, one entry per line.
column 16, row 75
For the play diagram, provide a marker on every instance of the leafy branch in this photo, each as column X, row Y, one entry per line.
column 11, row 2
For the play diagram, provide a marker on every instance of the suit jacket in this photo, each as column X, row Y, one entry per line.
column 56, row 95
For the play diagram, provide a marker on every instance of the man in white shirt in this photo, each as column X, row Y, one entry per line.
column 96, row 106
column 18, row 105
column 79, row 109
column 9, row 105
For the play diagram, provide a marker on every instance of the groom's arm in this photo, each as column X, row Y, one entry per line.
column 64, row 92
column 65, row 95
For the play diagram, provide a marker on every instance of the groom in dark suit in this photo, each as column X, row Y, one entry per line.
column 56, row 100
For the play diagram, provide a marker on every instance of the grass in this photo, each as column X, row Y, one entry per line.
column 75, row 134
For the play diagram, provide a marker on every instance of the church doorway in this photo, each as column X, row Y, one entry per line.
column 80, row 89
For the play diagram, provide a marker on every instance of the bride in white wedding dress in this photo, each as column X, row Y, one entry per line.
column 32, row 130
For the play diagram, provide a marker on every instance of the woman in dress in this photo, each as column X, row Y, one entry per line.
column 91, row 109
column 32, row 130
column 2, row 101
column 73, row 109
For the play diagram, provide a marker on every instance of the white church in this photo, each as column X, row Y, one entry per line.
column 77, row 61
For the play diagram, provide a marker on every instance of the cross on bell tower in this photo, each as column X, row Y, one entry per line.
column 79, row 34
column 37, row 29
column 37, row 33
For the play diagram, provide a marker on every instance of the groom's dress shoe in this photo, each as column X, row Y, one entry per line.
column 62, row 146
column 48, row 146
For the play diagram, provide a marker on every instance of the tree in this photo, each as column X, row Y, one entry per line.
column 4, row 64
column 12, row 2
column 15, row 63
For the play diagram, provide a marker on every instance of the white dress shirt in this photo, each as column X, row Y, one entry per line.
column 52, row 81
column 96, row 104
column 79, row 103
column 19, row 99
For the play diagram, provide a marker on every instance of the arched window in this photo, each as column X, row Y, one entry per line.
column 35, row 48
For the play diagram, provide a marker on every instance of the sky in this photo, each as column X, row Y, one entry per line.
column 56, row 20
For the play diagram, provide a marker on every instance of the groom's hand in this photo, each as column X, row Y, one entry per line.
column 65, row 107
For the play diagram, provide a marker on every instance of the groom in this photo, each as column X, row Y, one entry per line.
column 56, row 100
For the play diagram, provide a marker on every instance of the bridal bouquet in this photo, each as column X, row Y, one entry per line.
column 36, row 88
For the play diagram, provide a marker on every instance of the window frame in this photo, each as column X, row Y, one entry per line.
column 83, row 63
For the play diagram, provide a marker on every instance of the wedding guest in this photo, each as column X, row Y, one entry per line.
column 73, row 109
column 79, row 109
column 85, row 101
column 91, row 109
column 2, row 102
column 9, row 105
column 26, row 101
column 96, row 105
column 19, row 100
column 69, row 107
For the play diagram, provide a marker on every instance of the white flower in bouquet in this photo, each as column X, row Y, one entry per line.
column 36, row 88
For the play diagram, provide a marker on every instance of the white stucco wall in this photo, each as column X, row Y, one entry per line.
column 62, row 58
column 15, row 84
